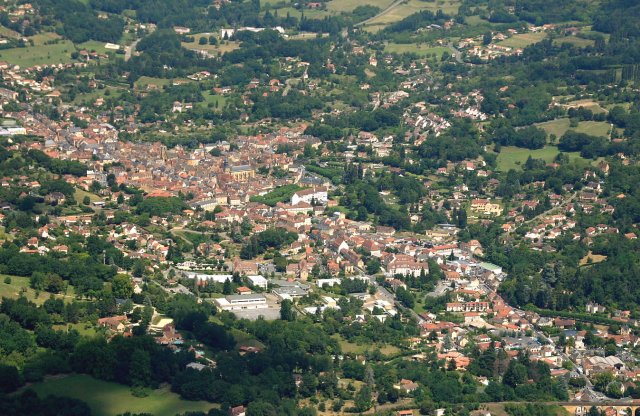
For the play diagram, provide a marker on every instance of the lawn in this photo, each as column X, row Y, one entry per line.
column 20, row 285
column 110, row 399
column 559, row 126
column 514, row 157
column 39, row 54
column 420, row 50
column 523, row 39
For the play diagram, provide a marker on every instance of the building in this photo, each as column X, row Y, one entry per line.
column 241, row 302
column 242, row 173
column 316, row 195
column 258, row 281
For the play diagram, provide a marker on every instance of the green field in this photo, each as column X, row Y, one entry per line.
column 420, row 50
column 352, row 348
column 514, row 157
column 408, row 7
column 523, row 40
column 348, row 5
column 221, row 47
column 39, row 54
column 210, row 98
column 575, row 41
column 110, row 399
column 20, row 285
column 81, row 193
column 561, row 125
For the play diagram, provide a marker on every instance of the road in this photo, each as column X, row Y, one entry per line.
column 390, row 297
column 382, row 13
column 129, row 50
column 457, row 55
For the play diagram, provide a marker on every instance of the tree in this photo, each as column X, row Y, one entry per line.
column 362, row 400
column 9, row 378
column 121, row 286
column 140, row 368
column 227, row 288
column 286, row 311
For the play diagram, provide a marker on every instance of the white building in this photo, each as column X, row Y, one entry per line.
column 258, row 281
column 317, row 194
column 240, row 302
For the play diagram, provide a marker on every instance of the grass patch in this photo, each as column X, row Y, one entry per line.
column 591, row 258
column 514, row 157
column 523, row 39
column 222, row 46
column 144, row 82
column 210, row 98
column 84, row 328
column 39, row 54
column 19, row 286
column 242, row 338
column 420, row 50
column 409, row 7
column 575, row 41
column 81, row 193
column 110, row 399
column 346, row 6
column 559, row 126
column 353, row 348
column 93, row 45
column 8, row 33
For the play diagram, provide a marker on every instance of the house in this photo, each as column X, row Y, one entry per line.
column 243, row 290
column 237, row 411
column 114, row 323
column 406, row 386
column 55, row 198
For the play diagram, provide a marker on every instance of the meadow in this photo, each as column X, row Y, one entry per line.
column 523, row 40
column 514, row 157
column 110, row 399
column 420, row 50
column 559, row 126
column 19, row 286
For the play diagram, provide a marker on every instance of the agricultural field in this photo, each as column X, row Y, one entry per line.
column 40, row 53
column 420, row 50
column 110, row 399
column 514, row 157
column 523, row 40
column 559, row 127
